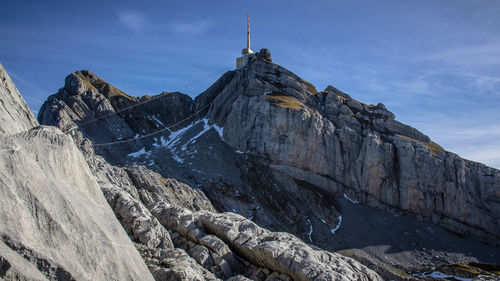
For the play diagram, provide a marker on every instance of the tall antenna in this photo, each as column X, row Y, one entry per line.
column 248, row 30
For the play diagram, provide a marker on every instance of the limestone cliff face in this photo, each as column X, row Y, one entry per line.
column 109, row 114
column 344, row 146
column 325, row 138
column 265, row 144
column 174, row 225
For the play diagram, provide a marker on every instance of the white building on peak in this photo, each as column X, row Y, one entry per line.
column 247, row 53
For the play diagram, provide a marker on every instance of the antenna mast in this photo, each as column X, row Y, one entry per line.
column 248, row 30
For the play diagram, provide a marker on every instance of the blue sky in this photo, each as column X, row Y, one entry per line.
column 435, row 64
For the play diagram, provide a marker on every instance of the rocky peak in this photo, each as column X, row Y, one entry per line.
column 345, row 146
column 15, row 115
column 264, row 143
column 265, row 54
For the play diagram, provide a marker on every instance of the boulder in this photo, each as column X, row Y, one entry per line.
column 265, row 54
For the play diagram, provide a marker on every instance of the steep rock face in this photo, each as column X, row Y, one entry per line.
column 344, row 146
column 156, row 210
column 195, row 154
column 99, row 109
column 15, row 115
column 263, row 143
column 54, row 216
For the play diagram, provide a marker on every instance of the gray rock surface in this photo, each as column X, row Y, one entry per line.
column 283, row 252
column 15, row 115
column 265, row 144
column 280, row 255
column 54, row 215
column 265, row 54
column 360, row 150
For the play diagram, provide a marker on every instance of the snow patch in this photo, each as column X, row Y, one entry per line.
column 142, row 151
column 177, row 158
column 205, row 129
column 440, row 275
column 352, row 200
column 174, row 137
column 310, row 230
column 338, row 225
column 158, row 121
column 220, row 130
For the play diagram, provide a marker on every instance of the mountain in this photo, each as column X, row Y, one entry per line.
column 55, row 222
column 262, row 177
column 68, row 231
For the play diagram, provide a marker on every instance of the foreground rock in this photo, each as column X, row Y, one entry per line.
column 54, row 221
column 258, row 253
column 54, row 215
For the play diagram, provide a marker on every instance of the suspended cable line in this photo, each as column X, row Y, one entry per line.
column 143, row 102
column 155, row 132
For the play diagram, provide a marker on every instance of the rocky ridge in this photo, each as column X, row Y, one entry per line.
column 265, row 144
column 344, row 146
column 177, row 244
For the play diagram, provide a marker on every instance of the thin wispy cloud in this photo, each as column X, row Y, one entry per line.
column 191, row 28
column 478, row 142
column 478, row 55
column 132, row 20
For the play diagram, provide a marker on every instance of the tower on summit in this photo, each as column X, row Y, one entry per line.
column 247, row 53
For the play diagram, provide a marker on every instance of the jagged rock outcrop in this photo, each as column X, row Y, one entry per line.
column 344, row 146
column 15, row 115
column 140, row 197
column 265, row 144
column 86, row 98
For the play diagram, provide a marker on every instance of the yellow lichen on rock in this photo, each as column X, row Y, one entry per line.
column 286, row 102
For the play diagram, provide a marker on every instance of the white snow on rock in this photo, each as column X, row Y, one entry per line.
column 440, row 275
column 310, row 230
column 338, row 225
column 141, row 152
column 193, row 139
column 352, row 200
column 220, row 130
column 158, row 122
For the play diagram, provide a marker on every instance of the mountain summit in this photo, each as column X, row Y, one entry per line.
column 263, row 177
column 326, row 139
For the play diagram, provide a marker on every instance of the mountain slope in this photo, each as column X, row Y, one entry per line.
column 341, row 145
column 264, row 143
column 54, row 221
